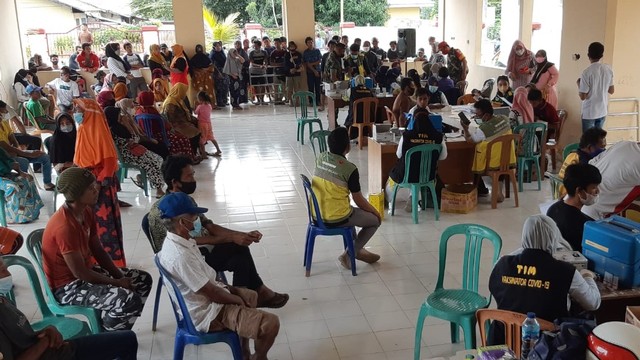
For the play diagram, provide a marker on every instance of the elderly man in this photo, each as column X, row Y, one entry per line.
column 69, row 246
column 230, row 248
column 213, row 306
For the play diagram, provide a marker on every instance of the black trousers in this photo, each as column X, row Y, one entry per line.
column 237, row 259
column 32, row 142
column 160, row 148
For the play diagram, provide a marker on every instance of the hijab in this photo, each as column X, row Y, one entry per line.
column 161, row 95
column 110, row 51
column 21, row 77
column 156, row 74
column 178, row 52
column 522, row 106
column 109, row 82
column 106, row 98
column 200, row 60
column 540, row 232
column 232, row 65
column 541, row 68
column 176, row 97
column 94, row 146
column 156, row 57
column 516, row 62
column 146, row 99
column 116, row 126
column 63, row 145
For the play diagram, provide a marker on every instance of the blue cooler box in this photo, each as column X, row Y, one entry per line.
column 613, row 245
column 368, row 82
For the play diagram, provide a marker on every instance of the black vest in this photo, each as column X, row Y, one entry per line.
column 411, row 138
column 532, row 282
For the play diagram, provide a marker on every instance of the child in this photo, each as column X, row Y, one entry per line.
column 504, row 92
column 203, row 112
column 120, row 89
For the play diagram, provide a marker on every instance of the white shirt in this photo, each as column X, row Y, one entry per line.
column 595, row 82
column 443, row 153
column 65, row 91
column 116, row 67
column 21, row 92
column 620, row 186
column 585, row 292
column 133, row 60
column 184, row 262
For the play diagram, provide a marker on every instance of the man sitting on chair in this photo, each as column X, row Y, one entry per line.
column 333, row 180
column 213, row 306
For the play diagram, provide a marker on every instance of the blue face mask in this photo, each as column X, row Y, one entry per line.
column 433, row 89
column 6, row 284
column 597, row 152
column 197, row 229
column 78, row 117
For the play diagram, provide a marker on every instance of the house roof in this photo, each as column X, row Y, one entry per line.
column 95, row 7
column 409, row 3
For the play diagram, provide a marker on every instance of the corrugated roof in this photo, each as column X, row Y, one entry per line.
column 120, row 7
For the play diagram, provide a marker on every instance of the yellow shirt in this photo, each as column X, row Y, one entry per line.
column 572, row 158
column 5, row 131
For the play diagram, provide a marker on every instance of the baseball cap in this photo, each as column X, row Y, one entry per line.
column 176, row 204
column 31, row 88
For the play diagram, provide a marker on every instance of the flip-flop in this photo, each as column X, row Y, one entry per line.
column 137, row 183
column 277, row 301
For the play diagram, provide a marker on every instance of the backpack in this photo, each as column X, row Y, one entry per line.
column 567, row 343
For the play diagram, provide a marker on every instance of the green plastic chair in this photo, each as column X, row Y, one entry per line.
column 34, row 246
column 320, row 137
column 458, row 306
column 123, row 172
column 68, row 327
column 303, row 115
column 554, row 179
column 569, row 149
column 3, row 209
column 425, row 154
column 530, row 150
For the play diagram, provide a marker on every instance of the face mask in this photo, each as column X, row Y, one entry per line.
column 540, row 59
column 6, row 284
column 188, row 187
column 365, row 49
column 66, row 128
column 589, row 200
column 78, row 117
column 597, row 152
column 433, row 88
column 6, row 116
column 520, row 52
column 354, row 57
column 197, row 229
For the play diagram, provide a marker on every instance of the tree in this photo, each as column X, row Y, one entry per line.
column 226, row 30
column 430, row 12
column 153, row 9
column 361, row 12
column 263, row 12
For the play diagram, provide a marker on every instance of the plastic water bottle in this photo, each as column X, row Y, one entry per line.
column 530, row 334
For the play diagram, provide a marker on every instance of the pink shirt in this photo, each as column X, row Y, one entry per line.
column 203, row 112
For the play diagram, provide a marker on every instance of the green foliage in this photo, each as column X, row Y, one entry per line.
column 261, row 12
column 226, row 30
column 103, row 36
column 224, row 8
column 493, row 32
column 63, row 44
column 361, row 12
column 430, row 12
column 153, row 9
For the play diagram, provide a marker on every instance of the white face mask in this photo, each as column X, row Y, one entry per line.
column 589, row 200
column 66, row 128
column 520, row 52
column 433, row 88
column 365, row 49
column 6, row 284
column 6, row 116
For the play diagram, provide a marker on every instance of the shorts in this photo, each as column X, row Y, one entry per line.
column 248, row 322
column 258, row 80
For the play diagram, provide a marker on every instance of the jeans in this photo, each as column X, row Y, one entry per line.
column 589, row 123
column 42, row 159
column 313, row 83
column 237, row 259
column 136, row 85
column 121, row 345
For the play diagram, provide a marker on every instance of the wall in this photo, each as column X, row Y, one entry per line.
column 35, row 14
column 189, row 24
column 412, row 13
column 11, row 55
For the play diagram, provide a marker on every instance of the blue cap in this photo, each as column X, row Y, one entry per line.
column 178, row 203
column 31, row 88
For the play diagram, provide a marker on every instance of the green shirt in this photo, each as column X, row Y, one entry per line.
column 34, row 110
column 333, row 64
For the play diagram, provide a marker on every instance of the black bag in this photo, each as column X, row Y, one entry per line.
column 567, row 343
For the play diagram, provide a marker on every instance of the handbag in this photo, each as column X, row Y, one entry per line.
column 567, row 343
column 137, row 149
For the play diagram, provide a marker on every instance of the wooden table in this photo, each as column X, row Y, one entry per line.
column 334, row 103
column 614, row 303
column 455, row 169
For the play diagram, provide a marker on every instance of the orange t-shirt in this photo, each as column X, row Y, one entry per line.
column 64, row 235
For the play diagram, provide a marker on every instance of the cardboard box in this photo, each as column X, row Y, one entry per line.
column 459, row 199
column 377, row 201
column 632, row 316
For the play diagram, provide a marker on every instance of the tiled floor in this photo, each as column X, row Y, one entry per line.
column 331, row 315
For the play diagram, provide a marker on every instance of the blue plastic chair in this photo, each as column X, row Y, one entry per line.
column 68, row 327
column 530, row 150
column 303, row 115
column 186, row 333
column 318, row 227
column 3, row 209
column 425, row 154
column 145, row 121
column 458, row 306
column 34, row 246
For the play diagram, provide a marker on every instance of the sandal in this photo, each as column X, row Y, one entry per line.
column 138, row 182
column 217, row 153
column 124, row 204
column 49, row 187
column 277, row 301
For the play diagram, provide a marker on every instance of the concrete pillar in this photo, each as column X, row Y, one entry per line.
column 187, row 17
column 11, row 59
column 298, row 20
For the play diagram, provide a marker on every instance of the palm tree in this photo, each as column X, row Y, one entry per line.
column 226, row 31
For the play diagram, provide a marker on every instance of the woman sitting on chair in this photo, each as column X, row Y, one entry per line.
column 127, row 111
column 422, row 132
column 180, row 117
column 22, row 199
column 131, row 152
column 63, row 143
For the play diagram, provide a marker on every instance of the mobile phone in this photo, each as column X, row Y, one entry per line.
column 463, row 118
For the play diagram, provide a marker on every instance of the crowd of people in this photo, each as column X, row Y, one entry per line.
column 82, row 247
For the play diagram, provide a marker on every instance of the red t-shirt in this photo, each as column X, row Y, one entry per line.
column 546, row 112
column 64, row 235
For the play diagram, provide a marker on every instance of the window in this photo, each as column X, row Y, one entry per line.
column 547, row 24
column 500, row 28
